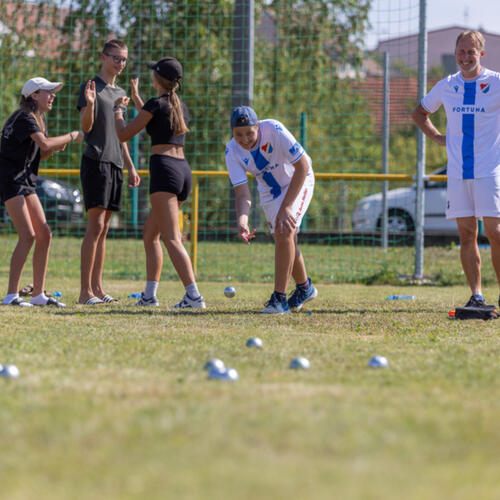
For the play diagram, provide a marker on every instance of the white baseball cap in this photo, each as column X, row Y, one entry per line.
column 39, row 83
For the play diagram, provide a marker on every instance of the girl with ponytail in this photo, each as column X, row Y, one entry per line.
column 165, row 119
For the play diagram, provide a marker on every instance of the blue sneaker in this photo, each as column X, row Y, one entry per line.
column 299, row 296
column 275, row 306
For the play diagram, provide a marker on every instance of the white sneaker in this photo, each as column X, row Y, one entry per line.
column 187, row 302
column 143, row 301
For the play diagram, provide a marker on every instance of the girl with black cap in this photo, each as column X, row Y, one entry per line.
column 165, row 119
column 24, row 143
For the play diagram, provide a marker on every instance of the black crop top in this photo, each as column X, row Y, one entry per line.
column 159, row 126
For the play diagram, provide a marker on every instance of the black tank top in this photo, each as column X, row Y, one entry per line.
column 159, row 126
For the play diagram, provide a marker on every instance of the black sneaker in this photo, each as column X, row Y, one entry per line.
column 481, row 303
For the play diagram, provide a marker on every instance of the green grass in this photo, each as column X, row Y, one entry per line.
column 220, row 261
column 113, row 402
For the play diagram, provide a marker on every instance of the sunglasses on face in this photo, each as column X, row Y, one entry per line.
column 117, row 59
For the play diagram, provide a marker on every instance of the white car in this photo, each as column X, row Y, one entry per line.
column 367, row 215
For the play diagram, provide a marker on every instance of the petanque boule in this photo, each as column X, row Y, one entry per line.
column 300, row 363
column 9, row 371
column 254, row 342
column 214, row 364
column 378, row 362
column 229, row 291
column 227, row 374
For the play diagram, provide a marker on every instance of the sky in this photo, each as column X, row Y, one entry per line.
column 400, row 17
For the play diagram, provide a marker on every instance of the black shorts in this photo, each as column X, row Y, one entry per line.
column 170, row 175
column 102, row 183
column 20, row 186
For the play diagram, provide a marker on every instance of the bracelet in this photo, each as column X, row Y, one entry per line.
column 118, row 107
column 118, row 111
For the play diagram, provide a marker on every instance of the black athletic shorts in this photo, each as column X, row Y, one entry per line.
column 21, row 186
column 170, row 175
column 102, row 183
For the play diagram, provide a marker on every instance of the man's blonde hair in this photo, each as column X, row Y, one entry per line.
column 476, row 37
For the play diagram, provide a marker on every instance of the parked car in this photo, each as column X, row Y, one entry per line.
column 367, row 215
column 62, row 203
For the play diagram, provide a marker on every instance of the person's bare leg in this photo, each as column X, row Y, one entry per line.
column 100, row 255
column 153, row 249
column 43, row 237
column 19, row 214
column 284, row 257
column 95, row 226
column 469, row 252
column 492, row 230
column 299, row 272
column 165, row 209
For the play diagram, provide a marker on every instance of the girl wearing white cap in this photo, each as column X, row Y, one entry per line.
column 24, row 143
column 165, row 119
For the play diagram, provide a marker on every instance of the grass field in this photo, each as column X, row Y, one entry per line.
column 113, row 402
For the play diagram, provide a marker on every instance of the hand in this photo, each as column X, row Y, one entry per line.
column 77, row 136
column 133, row 178
column 134, row 85
column 245, row 234
column 90, row 92
column 285, row 221
column 122, row 101
column 441, row 140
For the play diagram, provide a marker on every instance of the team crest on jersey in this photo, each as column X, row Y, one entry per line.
column 294, row 149
column 267, row 148
column 485, row 87
column 278, row 126
column 456, row 88
column 245, row 161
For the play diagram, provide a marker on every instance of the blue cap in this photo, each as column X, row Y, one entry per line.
column 243, row 116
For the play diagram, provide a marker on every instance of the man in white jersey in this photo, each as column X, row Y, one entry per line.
column 471, row 99
column 285, row 181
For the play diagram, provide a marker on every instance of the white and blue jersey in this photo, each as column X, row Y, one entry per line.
column 271, row 161
column 473, row 123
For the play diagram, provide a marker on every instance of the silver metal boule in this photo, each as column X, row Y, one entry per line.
column 300, row 363
column 214, row 364
column 229, row 291
column 254, row 342
column 228, row 374
column 378, row 362
column 9, row 371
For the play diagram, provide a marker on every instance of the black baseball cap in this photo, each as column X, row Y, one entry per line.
column 168, row 67
column 243, row 116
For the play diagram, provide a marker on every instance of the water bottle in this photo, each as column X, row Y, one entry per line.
column 136, row 295
column 400, row 297
column 57, row 294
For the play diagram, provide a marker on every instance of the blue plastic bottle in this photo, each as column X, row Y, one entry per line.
column 400, row 297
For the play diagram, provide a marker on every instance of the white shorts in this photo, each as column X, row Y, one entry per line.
column 473, row 197
column 299, row 207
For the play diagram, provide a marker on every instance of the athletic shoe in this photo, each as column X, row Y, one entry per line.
column 18, row 301
column 475, row 302
column 187, row 302
column 51, row 302
column 275, row 306
column 143, row 301
column 299, row 296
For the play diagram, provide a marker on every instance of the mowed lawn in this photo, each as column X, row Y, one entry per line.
column 113, row 402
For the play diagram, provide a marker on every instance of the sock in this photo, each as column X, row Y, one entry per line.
column 151, row 289
column 478, row 296
column 192, row 291
column 304, row 286
column 39, row 300
column 280, row 296
column 10, row 297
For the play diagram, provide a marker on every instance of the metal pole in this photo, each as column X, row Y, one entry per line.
column 134, row 193
column 243, row 53
column 194, row 223
column 422, row 90
column 385, row 149
column 303, row 141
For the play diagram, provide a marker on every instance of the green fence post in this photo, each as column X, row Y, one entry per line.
column 303, row 140
column 134, row 193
